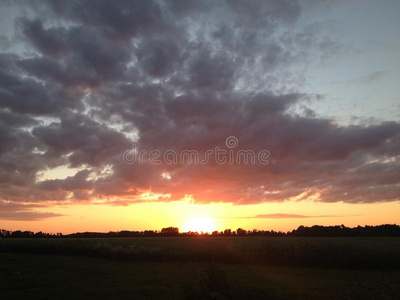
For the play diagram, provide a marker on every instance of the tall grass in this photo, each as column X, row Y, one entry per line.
column 359, row 253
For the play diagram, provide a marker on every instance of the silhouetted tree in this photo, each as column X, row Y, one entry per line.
column 313, row 231
column 227, row 232
column 170, row 231
column 241, row 232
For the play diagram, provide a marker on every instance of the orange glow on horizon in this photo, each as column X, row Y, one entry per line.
column 189, row 216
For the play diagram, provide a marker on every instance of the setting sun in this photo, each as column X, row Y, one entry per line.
column 200, row 224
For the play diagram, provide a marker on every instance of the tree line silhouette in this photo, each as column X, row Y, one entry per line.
column 386, row 230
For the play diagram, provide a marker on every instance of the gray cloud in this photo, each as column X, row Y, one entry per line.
column 27, row 216
column 368, row 78
column 287, row 216
column 23, row 212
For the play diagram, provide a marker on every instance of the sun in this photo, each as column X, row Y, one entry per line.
column 200, row 224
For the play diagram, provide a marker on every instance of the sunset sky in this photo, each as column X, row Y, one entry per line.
column 87, row 85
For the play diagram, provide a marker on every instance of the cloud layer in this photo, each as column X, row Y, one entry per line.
column 88, row 79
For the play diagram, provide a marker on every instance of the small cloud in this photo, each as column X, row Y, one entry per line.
column 27, row 215
column 286, row 216
column 368, row 78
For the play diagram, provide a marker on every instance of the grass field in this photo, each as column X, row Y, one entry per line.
column 361, row 253
column 183, row 268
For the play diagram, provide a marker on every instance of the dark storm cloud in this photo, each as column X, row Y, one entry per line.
column 50, row 42
column 159, row 57
column 117, row 19
column 84, row 140
column 97, row 76
column 22, row 94
column 81, row 55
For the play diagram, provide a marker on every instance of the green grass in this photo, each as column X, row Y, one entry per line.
column 33, row 276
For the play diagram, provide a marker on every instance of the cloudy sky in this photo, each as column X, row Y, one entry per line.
column 315, row 84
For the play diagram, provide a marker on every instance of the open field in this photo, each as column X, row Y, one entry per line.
column 32, row 276
column 360, row 253
column 184, row 268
